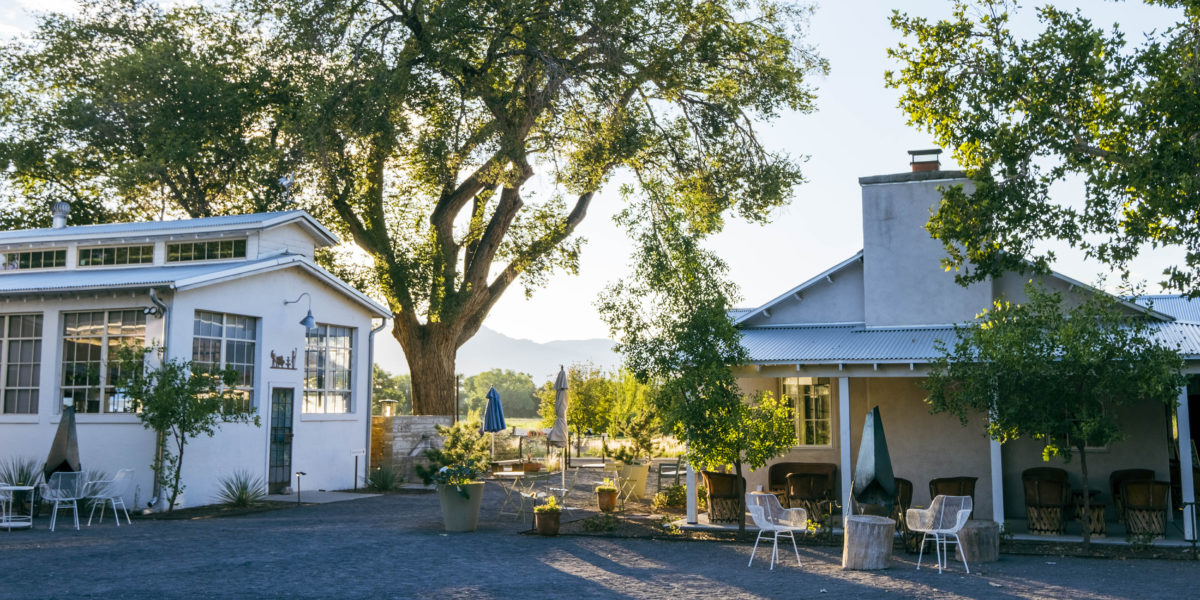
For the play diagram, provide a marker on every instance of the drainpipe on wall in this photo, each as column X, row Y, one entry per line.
column 163, row 311
column 370, row 392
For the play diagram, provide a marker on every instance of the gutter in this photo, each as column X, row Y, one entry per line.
column 164, row 310
column 370, row 393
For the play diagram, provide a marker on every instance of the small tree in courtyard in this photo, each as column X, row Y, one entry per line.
column 671, row 320
column 178, row 401
column 1059, row 376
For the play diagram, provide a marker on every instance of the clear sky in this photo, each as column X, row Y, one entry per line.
column 856, row 131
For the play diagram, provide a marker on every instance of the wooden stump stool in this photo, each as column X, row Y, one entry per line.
column 867, row 542
column 979, row 540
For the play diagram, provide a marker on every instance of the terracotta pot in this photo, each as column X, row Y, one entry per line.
column 530, row 467
column 546, row 522
column 458, row 513
column 606, row 499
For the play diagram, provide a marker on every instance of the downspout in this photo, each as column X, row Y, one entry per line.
column 166, row 317
column 370, row 392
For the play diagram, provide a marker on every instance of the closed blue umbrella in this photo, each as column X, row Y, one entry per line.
column 493, row 415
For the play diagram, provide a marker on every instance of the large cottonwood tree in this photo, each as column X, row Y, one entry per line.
column 425, row 122
column 1077, row 101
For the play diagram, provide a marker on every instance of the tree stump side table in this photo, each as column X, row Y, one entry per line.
column 979, row 540
column 867, row 542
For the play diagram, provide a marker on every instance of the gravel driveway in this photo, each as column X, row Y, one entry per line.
column 393, row 547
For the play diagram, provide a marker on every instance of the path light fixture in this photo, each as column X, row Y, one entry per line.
column 299, row 474
column 308, row 321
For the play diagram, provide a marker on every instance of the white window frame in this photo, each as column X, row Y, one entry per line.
column 108, row 394
column 224, row 343
column 806, row 386
column 6, row 343
column 319, row 372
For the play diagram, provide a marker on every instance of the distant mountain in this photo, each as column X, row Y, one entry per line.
column 493, row 350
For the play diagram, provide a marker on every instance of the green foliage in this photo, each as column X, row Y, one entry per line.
column 589, row 402
column 20, row 470
column 178, row 402
column 600, row 522
column 671, row 322
column 1075, row 102
column 640, row 431
column 517, row 393
column 675, row 496
column 383, row 480
column 1058, row 375
column 463, row 457
column 606, row 486
column 124, row 105
column 387, row 386
column 242, row 490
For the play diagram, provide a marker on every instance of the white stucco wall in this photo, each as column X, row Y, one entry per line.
column 904, row 283
column 836, row 301
column 323, row 444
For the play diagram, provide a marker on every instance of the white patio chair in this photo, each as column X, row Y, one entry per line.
column 943, row 520
column 772, row 518
column 561, row 493
column 114, row 492
column 64, row 489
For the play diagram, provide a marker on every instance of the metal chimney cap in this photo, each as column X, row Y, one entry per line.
column 58, row 212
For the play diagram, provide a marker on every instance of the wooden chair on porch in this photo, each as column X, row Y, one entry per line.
column 1047, row 498
column 813, row 492
column 1145, row 506
column 1117, row 478
column 724, row 496
column 953, row 486
column 777, row 475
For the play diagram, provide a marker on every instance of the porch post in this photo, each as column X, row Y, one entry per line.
column 844, row 430
column 997, row 484
column 1186, row 484
column 691, row 494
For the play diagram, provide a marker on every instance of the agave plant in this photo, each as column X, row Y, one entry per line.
column 242, row 490
column 20, row 470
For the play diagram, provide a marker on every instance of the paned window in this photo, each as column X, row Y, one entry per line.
column 116, row 255
column 33, row 259
column 220, row 342
column 811, row 400
column 206, row 250
column 90, row 339
column 327, row 381
column 21, row 357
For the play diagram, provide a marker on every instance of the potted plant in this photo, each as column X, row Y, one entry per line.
column 460, row 493
column 546, row 517
column 531, row 465
column 456, row 469
column 606, row 495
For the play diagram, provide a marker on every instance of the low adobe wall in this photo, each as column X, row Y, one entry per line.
column 399, row 442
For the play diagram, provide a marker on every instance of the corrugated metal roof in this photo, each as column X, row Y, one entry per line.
column 1175, row 305
column 251, row 221
column 125, row 277
column 856, row 343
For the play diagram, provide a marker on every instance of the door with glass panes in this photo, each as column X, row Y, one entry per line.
column 280, row 465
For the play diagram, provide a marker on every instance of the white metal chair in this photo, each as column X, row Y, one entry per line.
column 772, row 518
column 670, row 472
column 561, row 493
column 114, row 492
column 943, row 520
column 64, row 489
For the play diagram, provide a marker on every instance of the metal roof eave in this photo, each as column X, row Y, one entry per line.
column 323, row 236
column 800, row 288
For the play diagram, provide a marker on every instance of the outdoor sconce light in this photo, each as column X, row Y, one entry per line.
column 308, row 321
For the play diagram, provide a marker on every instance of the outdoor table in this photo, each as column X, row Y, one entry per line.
column 7, row 518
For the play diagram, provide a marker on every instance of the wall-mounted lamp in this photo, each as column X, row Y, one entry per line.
column 308, row 321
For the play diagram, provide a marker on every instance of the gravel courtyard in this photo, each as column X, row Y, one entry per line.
column 393, row 547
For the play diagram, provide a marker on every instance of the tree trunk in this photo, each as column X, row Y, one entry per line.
column 431, row 365
column 737, row 469
column 1086, row 521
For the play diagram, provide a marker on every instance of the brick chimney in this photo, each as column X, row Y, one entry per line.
column 925, row 160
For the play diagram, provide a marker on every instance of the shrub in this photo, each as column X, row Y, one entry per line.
column 242, row 490
column 675, row 496
column 383, row 480
column 600, row 522
column 20, row 470
column 606, row 486
column 550, row 506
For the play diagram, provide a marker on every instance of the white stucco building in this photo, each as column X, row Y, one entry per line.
column 212, row 291
column 862, row 334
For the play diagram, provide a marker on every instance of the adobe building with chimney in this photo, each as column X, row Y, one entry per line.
column 862, row 334
column 235, row 292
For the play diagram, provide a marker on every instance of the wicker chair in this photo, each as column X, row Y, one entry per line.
column 1047, row 499
column 724, row 496
column 1117, row 478
column 1145, row 506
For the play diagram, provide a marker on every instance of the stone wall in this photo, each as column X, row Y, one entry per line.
column 399, row 442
